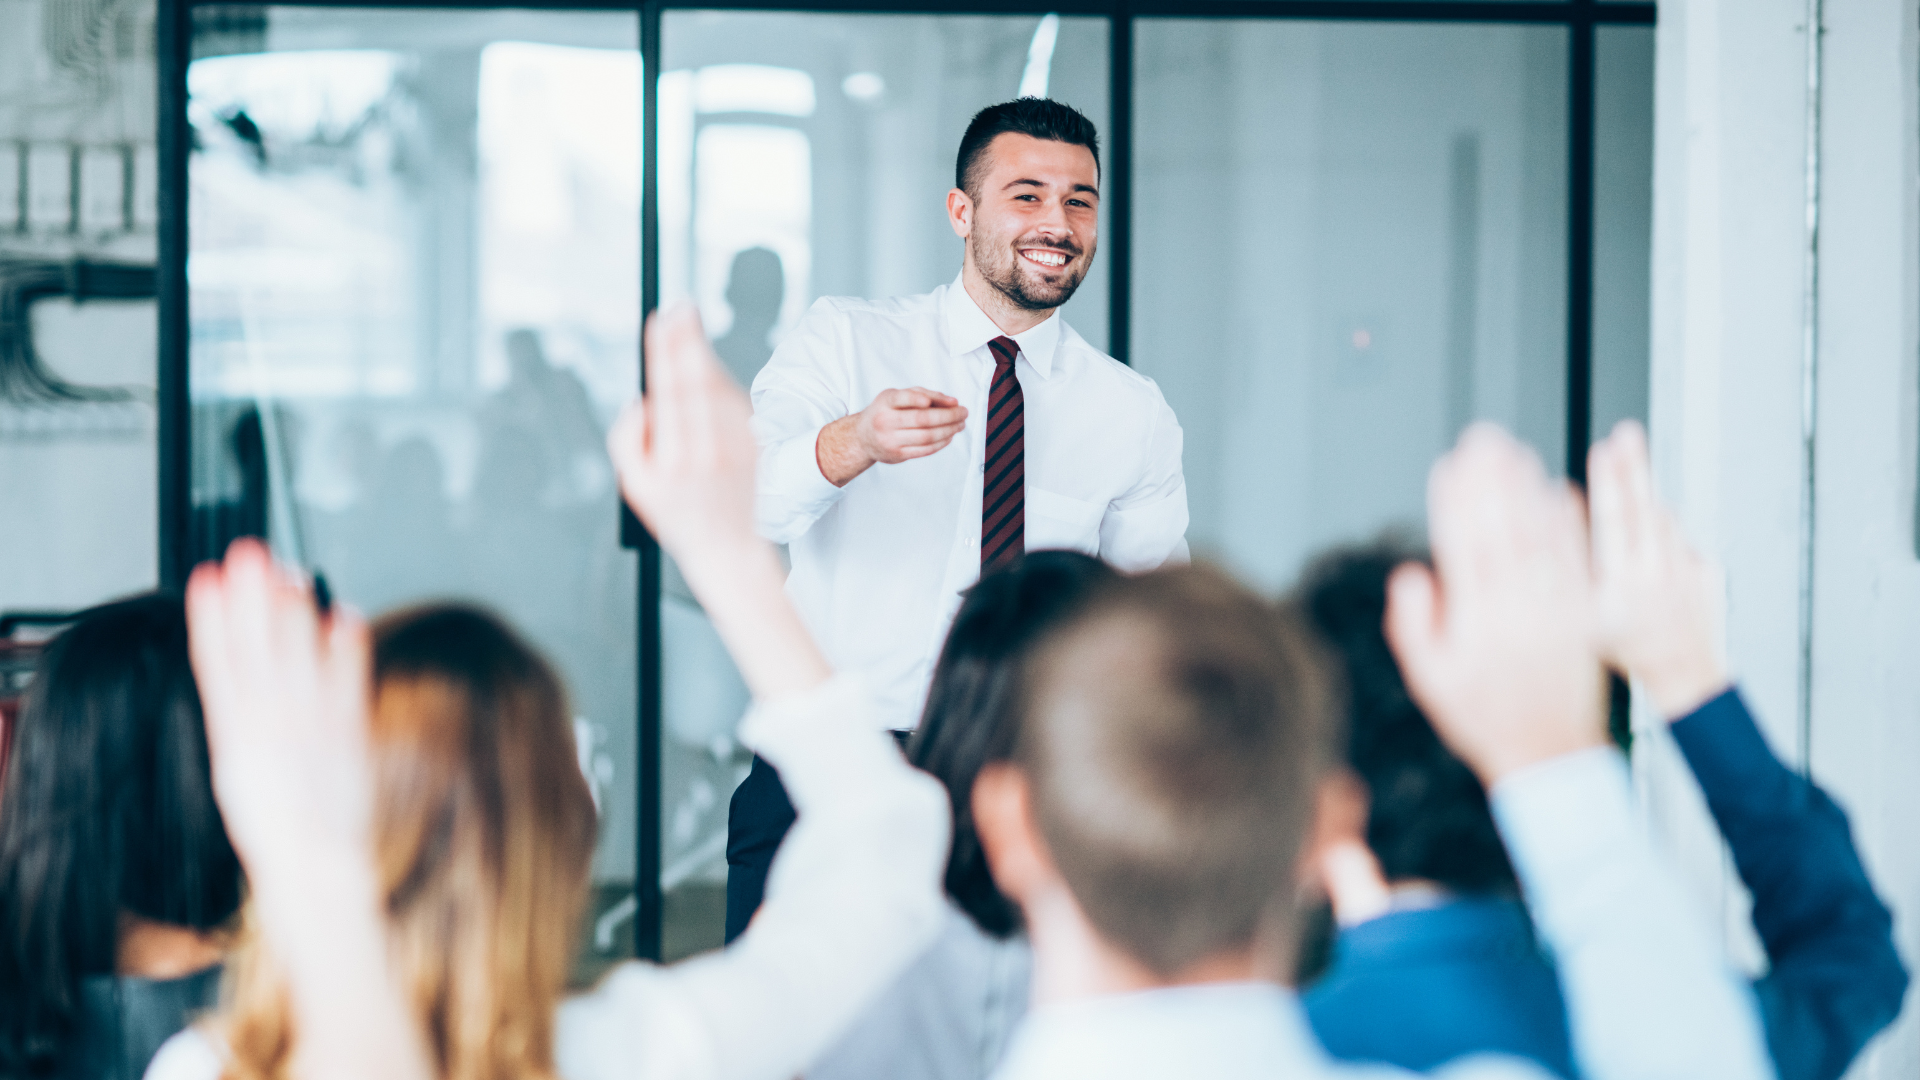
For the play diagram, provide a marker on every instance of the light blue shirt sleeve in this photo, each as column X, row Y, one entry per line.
column 1649, row 991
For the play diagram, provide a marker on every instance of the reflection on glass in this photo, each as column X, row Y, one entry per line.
column 1622, row 224
column 1349, row 241
column 414, row 289
column 800, row 156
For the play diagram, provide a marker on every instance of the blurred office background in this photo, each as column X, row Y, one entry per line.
column 416, row 254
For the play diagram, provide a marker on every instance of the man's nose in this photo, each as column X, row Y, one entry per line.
column 1053, row 225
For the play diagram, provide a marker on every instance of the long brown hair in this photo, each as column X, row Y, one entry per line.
column 484, row 834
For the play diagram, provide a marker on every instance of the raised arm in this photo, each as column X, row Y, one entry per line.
column 855, row 892
column 1835, row 979
column 1497, row 646
column 286, row 694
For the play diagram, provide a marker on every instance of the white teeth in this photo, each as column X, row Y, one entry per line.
column 1046, row 258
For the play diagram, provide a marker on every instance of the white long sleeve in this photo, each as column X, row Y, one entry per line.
column 853, row 897
column 1649, row 993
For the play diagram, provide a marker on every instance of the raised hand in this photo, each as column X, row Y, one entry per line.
column 286, row 698
column 1657, row 602
column 684, row 453
column 899, row 425
column 1496, row 641
column 685, row 457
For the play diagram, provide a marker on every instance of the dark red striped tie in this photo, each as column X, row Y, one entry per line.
column 1003, row 494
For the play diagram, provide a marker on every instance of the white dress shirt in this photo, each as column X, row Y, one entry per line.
column 1649, row 995
column 878, row 566
column 853, row 897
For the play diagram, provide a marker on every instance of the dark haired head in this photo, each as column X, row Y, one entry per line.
column 106, row 809
column 1429, row 818
column 969, row 721
column 1038, row 118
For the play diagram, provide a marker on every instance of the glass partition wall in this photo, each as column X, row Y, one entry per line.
column 405, row 253
column 413, row 295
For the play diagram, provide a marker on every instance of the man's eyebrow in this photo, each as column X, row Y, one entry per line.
column 1030, row 182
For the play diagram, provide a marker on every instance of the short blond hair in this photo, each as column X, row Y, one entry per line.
column 1173, row 734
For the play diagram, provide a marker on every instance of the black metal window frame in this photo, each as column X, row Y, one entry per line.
column 173, row 42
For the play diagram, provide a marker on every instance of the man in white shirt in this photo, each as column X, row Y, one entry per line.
column 909, row 444
column 1173, row 772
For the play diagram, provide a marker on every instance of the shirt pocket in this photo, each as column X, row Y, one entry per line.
column 1060, row 521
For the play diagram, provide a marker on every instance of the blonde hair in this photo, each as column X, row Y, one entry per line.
column 484, row 835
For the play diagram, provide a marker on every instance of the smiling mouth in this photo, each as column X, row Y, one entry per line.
column 1052, row 260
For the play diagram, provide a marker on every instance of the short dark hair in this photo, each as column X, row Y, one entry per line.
column 106, row 808
column 1173, row 733
column 1039, row 118
column 1428, row 817
column 973, row 703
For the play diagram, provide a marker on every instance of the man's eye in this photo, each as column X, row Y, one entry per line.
column 1080, row 202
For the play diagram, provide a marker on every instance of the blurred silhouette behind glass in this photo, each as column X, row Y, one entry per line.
column 755, row 288
column 419, row 254
column 217, row 523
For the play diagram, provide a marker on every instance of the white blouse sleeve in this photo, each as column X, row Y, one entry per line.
column 853, row 896
column 188, row 1055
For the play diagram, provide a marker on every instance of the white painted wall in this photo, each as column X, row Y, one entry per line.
column 1728, row 320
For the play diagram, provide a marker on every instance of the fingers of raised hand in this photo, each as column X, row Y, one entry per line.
column 627, row 440
column 1413, row 622
column 1490, row 508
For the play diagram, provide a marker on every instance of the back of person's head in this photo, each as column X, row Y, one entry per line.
column 1036, row 118
column 1428, row 819
column 106, row 811
column 973, row 704
column 484, row 835
column 1173, row 736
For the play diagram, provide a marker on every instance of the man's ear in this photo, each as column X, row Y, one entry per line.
column 960, row 213
column 1340, row 805
column 1003, row 816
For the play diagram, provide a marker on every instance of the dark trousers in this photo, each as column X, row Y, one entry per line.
column 757, row 822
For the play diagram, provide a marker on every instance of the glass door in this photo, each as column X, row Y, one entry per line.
column 414, row 307
column 804, row 155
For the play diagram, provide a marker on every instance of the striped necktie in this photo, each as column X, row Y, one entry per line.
column 1003, row 493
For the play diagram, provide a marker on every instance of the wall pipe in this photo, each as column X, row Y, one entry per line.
column 1809, row 381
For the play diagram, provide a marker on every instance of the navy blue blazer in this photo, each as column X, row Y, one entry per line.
column 1419, row 988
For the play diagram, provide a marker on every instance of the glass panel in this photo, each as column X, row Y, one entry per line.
column 1622, row 223
column 806, row 155
column 1350, row 240
column 415, row 308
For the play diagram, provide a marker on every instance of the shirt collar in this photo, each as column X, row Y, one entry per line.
column 968, row 328
column 1228, row 1031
